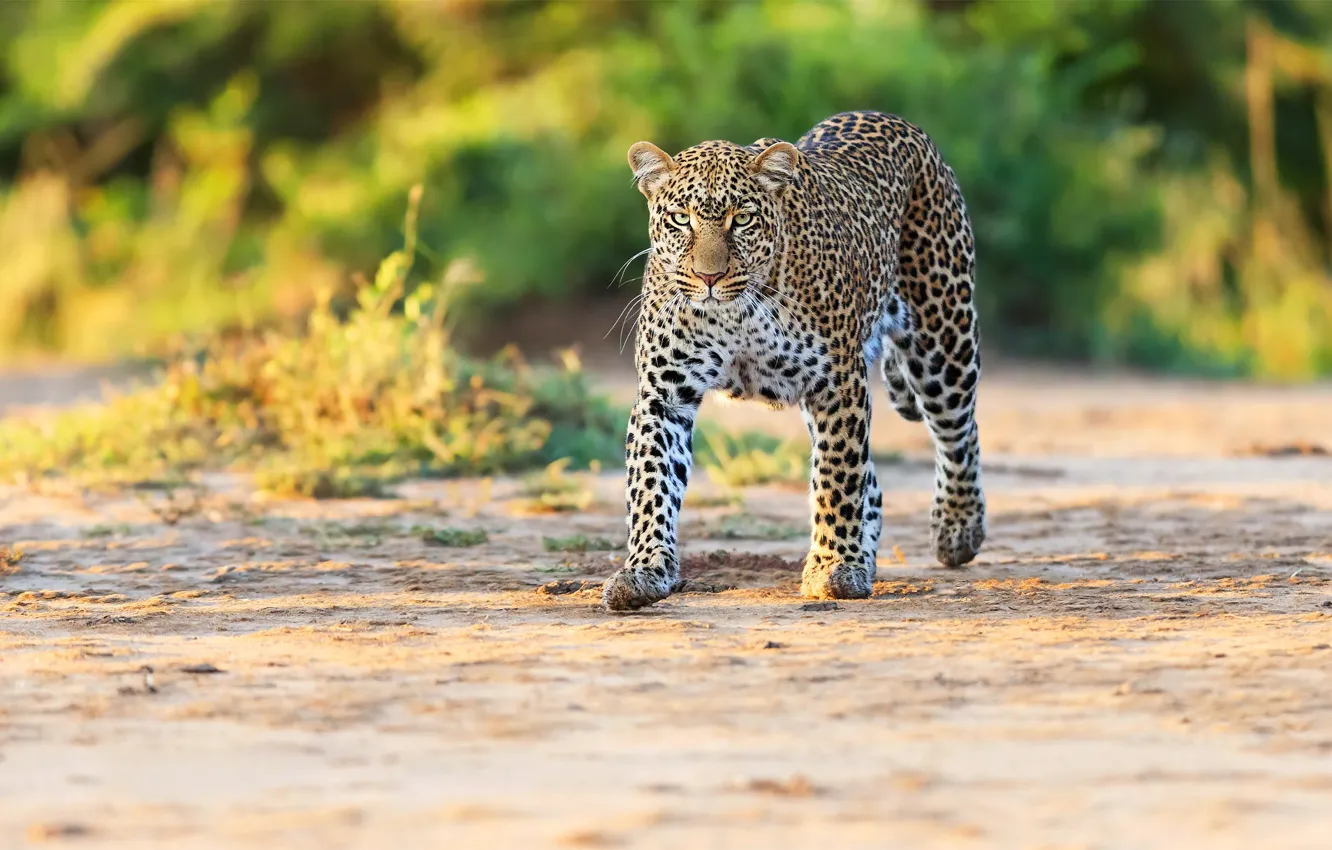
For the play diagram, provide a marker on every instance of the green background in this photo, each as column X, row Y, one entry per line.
column 1148, row 180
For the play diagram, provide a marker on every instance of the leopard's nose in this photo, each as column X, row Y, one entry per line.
column 709, row 279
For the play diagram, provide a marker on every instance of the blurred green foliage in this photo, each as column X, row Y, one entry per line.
column 750, row 458
column 172, row 168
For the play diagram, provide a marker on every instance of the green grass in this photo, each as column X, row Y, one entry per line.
column 555, row 490
column 750, row 458
column 338, row 483
column 336, row 412
column 729, row 499
column 362, row 534
column 578, row 543
column 745, row 527
column 457, row 537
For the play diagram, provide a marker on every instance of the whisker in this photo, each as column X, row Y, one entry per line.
column 779, row 295
column 657, row 276
column 625, row 266
column 750, row 300
column 671, row 303
column 632, row 301
column 676, row 302
column 781, row 302
column 781, row 312
column 632, row 329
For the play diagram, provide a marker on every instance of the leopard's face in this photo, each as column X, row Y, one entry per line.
column 714, row 217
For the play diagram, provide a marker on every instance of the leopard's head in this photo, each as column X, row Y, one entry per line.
column 714, row 216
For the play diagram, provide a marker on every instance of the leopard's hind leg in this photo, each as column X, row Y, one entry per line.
column 939, row 356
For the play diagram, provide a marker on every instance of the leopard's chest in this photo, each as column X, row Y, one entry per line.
column 778, row 374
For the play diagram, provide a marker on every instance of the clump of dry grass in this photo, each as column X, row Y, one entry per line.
column 9, row 560
column 750, row 458
column 554, row 490
column 333, row 412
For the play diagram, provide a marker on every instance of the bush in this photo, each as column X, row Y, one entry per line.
column 751, row 458
column 333, row 411
column 185, row 168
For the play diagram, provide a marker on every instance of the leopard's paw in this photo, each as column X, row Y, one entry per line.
column 642, row 581
column 829, row 576
column 958, row 535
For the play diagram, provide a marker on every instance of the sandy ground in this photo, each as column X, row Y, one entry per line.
column 1141, row 658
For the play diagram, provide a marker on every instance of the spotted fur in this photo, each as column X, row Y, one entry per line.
column 785, row 274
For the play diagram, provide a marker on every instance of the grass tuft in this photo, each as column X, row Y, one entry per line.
column 750, row 458
column 579, row 543
column 9, row 559
column 555, row 490
column 337, row 483
column 747, row 527
column 451, row 536
column 334, row 412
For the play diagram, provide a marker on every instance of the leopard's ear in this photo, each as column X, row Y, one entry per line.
column 652, row 167
column 775, row 168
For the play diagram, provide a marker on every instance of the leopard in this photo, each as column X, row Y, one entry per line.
column 787, row 274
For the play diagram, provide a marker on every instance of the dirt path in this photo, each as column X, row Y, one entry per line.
column 1141, row 658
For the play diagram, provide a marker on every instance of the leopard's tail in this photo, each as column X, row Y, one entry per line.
column 899, row 392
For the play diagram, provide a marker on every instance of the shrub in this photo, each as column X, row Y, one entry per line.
column 750, row 458
column 334, row 411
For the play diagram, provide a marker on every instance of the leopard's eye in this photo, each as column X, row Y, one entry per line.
column 680, row 219
column 741, row 219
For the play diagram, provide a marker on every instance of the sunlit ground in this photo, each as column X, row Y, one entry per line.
column 1139, row 658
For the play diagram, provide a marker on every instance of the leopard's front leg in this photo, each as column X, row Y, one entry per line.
column 658, row 454
column 838, row 565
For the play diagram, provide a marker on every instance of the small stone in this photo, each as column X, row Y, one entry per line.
column 201, row 669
